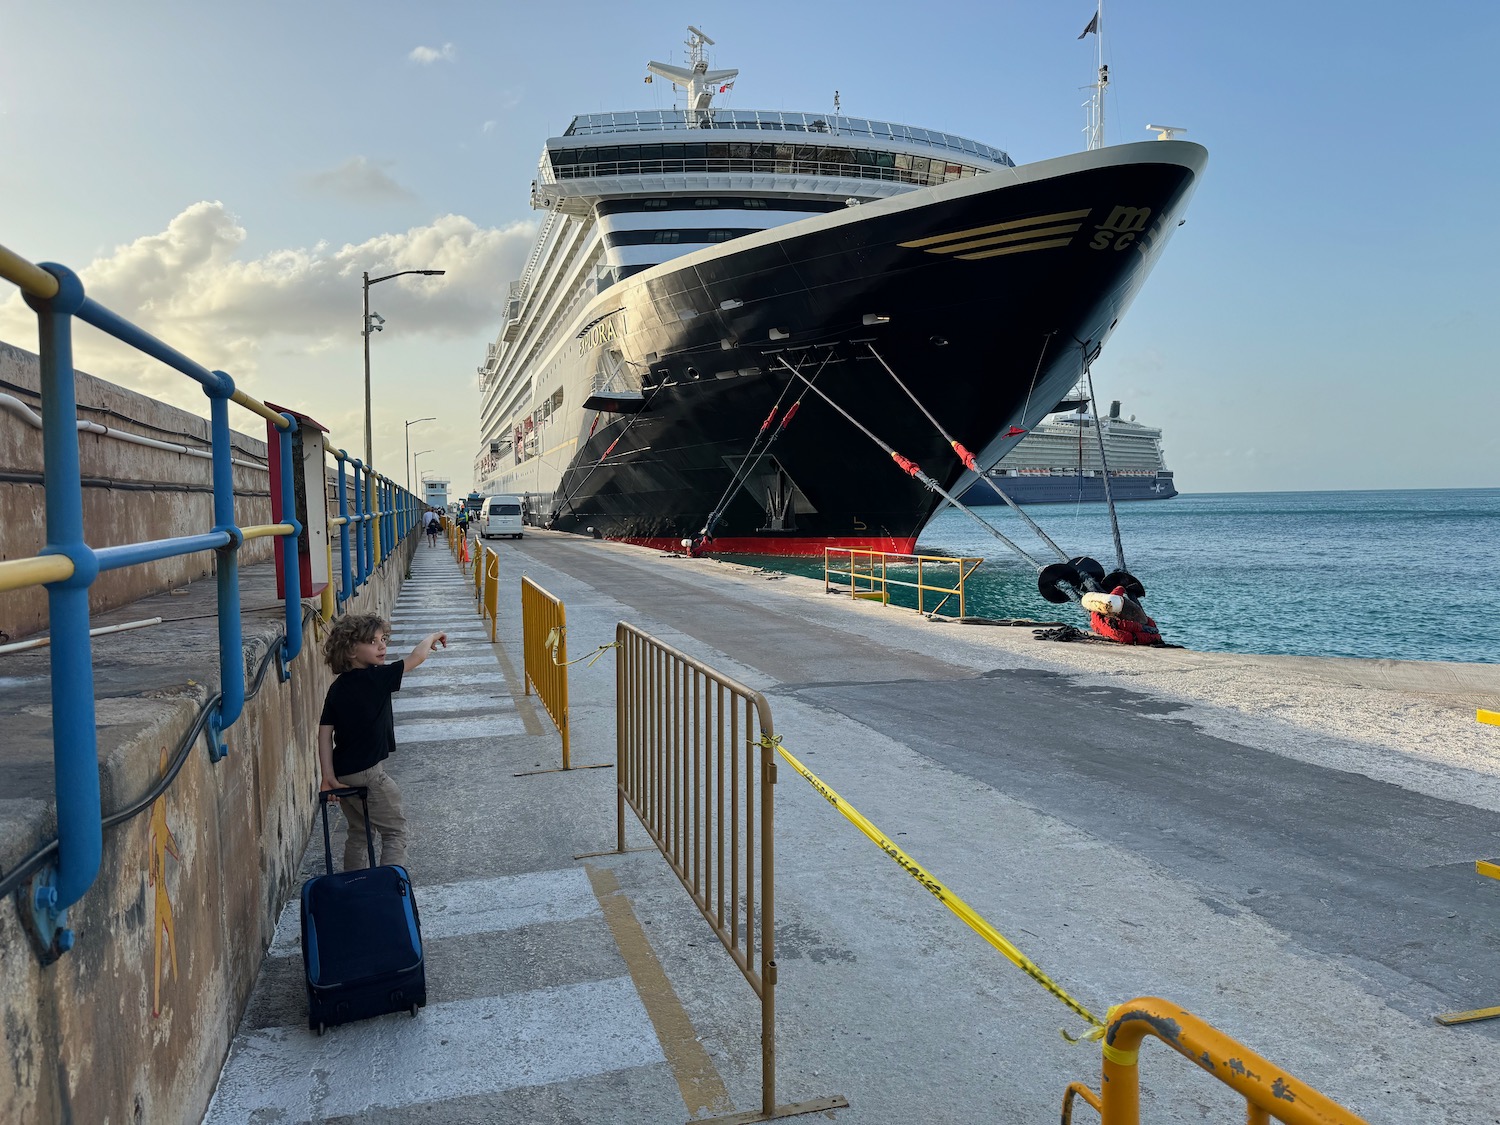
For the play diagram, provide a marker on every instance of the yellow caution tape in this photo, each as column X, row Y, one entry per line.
column 969, row 916
column 554, row 638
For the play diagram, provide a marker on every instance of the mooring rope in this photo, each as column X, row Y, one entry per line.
column 912, row 469
column 769, row 425
column 1109, row 496
column 968, row 458
column 568, row 496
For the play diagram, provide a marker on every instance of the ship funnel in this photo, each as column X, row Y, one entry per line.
column 1114, row 409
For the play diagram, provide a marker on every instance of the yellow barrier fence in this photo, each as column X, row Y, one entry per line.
column 1490, row 869
column 544, row 643
column 488, row 562
column 868, row 575
column 479, row 582
column 695, row 764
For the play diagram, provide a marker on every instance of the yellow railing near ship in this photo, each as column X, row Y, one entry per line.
column 868, row 575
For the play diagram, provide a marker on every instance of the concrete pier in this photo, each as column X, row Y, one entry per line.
column 1283, row 846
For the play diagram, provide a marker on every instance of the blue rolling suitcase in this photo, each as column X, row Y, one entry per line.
column 361, row 937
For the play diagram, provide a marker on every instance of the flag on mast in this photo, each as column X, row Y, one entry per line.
column 1092, row 27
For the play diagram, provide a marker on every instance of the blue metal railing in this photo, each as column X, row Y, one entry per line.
column 67, row 566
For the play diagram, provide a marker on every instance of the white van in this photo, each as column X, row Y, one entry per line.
column 501, row 515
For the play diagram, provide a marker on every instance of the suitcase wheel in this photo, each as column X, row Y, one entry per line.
column 413, row 1011
column 322, row 1027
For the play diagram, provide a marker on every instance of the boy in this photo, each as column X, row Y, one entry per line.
column 357, row 731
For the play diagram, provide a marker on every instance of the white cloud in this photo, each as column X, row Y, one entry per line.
column 426, row 56
column 280, row 322
column 361, row 180
column 488, row 126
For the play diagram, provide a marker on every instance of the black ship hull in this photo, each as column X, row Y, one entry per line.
column 986, row 297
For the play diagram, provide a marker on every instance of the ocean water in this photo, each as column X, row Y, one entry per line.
column 1404, row 575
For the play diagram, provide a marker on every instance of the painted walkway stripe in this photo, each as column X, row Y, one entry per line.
column 460, row 1049
column 449, row 730
column 476, row 906
column 453, row 674
column 487, row 699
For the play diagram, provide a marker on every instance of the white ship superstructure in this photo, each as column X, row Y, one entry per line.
column 621, row 192
column 696, row 267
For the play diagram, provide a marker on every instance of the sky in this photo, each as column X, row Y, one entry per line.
column 222, row 174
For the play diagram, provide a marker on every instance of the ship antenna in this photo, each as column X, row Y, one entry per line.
column 1094, row 129
column 700, row 83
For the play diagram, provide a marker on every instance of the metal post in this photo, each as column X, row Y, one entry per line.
column 291, row 644
column 359, row 523
column 231, row 639
column 345, row 592
column 75, row 752
column 365, row 329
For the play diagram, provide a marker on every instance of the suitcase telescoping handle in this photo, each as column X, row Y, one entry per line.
column 364, row 797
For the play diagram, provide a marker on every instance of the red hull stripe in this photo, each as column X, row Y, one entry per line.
column 783, row 545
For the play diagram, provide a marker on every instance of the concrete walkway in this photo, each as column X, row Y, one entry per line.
column 1283, row 847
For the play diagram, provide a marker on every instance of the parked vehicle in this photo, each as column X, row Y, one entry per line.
column 501, row 515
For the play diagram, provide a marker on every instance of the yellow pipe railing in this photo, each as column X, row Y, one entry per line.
column 255, row 406
column 261, row 530
column 1267, row 1089
column 28, row 277
column 869, row 578
column 16, row 574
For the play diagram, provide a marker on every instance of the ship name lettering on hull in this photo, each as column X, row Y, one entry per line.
column 1120, row 230
column 602, row 333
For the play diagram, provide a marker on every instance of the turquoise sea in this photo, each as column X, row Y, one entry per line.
column 1405, row 575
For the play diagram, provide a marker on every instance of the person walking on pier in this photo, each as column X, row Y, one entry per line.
column 431, row 524
column 357, row 731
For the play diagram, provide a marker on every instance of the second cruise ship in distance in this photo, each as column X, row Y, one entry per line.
column 734, row 323
column 1059, row 461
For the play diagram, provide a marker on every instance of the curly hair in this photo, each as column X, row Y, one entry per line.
column 353, row 629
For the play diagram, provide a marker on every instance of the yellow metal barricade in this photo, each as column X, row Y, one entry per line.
column 479, row 585
column 1269, row 1092
column 544, row 642
column 695, row 763
column 491, row 563
column 869, row 578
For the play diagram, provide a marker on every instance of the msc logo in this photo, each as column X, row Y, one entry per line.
column 1121, row 229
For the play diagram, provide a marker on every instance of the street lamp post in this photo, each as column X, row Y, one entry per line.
column 409, row 425
column 366, row 330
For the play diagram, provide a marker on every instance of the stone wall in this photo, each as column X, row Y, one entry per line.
column 132, row 492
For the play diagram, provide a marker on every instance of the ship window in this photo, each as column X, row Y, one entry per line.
column 705, row 203
column 658, row 204
column 751, row 204
column 659, row 236
column 651, row 152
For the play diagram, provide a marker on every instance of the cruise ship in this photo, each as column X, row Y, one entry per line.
column 748, row 330
column 1058, row 462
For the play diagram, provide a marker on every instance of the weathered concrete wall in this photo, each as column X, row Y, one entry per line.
column 132, row 492
column 133, row 1025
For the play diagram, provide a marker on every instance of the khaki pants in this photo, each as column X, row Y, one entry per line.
column 387, row 819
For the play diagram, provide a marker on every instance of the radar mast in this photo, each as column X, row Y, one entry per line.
column 700, row 83
column 1093, row 131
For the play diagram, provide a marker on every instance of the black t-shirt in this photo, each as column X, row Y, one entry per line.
column 358, row 708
